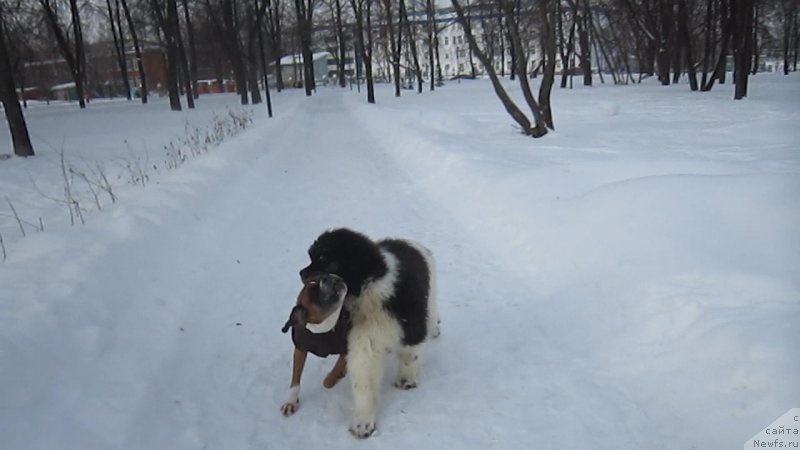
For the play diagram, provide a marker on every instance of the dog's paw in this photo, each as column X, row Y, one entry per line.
column 289, row 408
column 402, row 383
column 362, row 429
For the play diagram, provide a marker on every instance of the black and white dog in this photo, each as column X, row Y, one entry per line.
column 392, row 302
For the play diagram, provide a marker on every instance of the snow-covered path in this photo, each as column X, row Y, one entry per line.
column 204, row 276
column 566, row 324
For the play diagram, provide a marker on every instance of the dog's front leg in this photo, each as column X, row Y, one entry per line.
column 337, row 373
column 365, row 367
column 293, row 402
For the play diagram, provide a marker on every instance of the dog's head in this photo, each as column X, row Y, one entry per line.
column 318, row 303
column 351, row 255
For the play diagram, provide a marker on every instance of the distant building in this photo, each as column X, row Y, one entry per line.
column 292, row 68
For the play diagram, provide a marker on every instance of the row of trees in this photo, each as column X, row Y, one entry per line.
column 624, row 39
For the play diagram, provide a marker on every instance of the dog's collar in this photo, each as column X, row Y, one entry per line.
column 327, row 324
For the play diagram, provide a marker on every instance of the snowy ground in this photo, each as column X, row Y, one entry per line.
column 631, row 281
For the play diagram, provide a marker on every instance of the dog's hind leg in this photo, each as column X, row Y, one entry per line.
column 434, row 320
column 410, row 359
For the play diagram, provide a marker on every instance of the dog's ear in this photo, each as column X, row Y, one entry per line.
column 298, row 316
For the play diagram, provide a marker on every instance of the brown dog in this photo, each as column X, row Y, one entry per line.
column 319, row 324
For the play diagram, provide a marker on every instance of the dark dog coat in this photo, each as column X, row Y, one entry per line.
column 333, row 342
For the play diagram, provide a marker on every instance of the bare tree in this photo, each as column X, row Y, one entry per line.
column 513, row 110
column 137, row 51
column 395, row 40
column 433, row 39
column 685, row 38
column 166, row 14
column 548, row 11
column 118, row 34
column 742, row 18
column 8, row 93
column 362, row 13
column 224, row 17
column 70, row 42
column 665, row 30
column 262, row 11
column 341, row 44
column 187, row 80
column 722, row 13
column 789, row 10
column 305, row 20
column 251, row 44
column 584, row 26
column 192, row 55
column 412, row 42
column 274, row 31
column 566, row 43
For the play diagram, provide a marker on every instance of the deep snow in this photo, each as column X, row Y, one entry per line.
column 630, row 281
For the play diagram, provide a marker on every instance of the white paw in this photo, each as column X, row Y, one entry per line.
column 362, row 429
column 293, row 402
column 289, row 408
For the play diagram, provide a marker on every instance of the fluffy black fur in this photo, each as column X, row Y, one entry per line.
column 359, row 261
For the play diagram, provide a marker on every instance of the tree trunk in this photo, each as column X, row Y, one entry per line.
column 796, row 40
column 274, row 28
column 719, row 70
column 439, row 75
column 228, row 31
column 709, row 43
column 742, row 18
column 80, row 53
column 549, row 12
column 395, row 42
column 341, row 46
column 361, row 11
column 119, row 46
column 368, row 58
column 259, row 19
column 473, row 72
column 8, row 93
column 252, row 65
column 252, row 77
column 137, row 50
column 789, row 26
column 192, row 49
column 431, row 16
column 167, row 22
column 73, row 52
column 305, row 12
column 188, row 81
column 585, row 56
column 665, row 41
column 756, row 50
column 567, row 57
column 686, row 38
column 413, row 43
